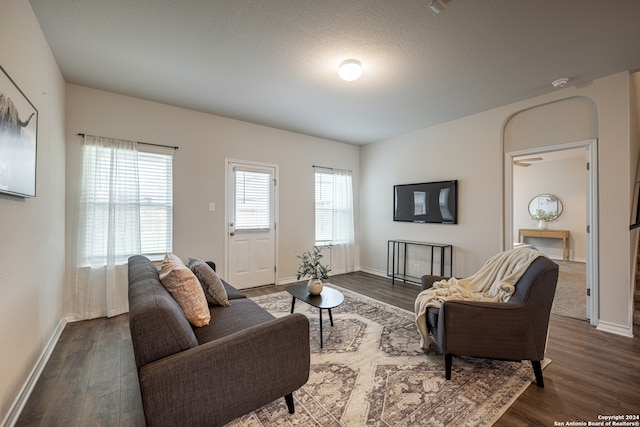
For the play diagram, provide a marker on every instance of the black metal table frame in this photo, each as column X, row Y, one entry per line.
column 308, row 301
column 398, row 249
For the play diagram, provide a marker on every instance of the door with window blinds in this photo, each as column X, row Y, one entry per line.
column 251, row 225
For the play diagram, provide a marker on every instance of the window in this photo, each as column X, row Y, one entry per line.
column 333, row 207
column 156, row 202
column 252, row 200
column 126, row 203
column 324, row 203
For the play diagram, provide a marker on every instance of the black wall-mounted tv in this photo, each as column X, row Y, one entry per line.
column 427, row 202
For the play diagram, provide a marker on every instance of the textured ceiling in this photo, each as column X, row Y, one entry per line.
column 274, row 62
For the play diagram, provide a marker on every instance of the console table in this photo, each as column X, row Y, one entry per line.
column 397, row 259
column 548, row 234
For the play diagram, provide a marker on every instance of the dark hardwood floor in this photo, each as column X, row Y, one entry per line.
column 91, row 379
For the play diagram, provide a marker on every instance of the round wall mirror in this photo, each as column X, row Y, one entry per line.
column 546, row 207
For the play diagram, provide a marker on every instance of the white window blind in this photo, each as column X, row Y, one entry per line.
column 252, row 200
column 324, row 208
column 156, row 202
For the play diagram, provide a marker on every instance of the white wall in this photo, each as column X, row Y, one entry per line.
column 468, row 150
column 565, row 179
column 471, row 150
column 31, row 230
column 199, row 167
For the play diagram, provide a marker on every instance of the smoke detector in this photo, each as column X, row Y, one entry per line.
column 560, row 83
column 438, row 5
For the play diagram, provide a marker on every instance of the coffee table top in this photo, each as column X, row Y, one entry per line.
column 329, row 298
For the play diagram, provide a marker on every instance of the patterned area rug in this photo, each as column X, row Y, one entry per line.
column 372, row 372
column 570, row 299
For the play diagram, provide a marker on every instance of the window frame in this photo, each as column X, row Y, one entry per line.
column 101, row 205
column 323, row 209
column 262, row 223
column 327, row 208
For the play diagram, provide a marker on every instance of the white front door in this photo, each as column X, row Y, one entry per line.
column 251, row 219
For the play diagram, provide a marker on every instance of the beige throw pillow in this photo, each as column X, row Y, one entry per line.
column 185, row 289
column 213, row 288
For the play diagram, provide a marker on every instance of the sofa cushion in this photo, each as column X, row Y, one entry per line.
column 232, row 293
column 239, row 315
column 185, row 288
column 157, row 323
column 214, row 291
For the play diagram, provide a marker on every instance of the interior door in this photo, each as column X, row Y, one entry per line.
column 251, row 222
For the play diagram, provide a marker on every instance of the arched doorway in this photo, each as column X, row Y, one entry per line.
column 553, row 128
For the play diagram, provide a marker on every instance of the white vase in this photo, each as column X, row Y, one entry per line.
column 314, row 286
column 542, row 224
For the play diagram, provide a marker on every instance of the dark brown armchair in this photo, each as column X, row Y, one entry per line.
column 513, row 330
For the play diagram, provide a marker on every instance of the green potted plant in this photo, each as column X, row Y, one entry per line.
column 311, row 267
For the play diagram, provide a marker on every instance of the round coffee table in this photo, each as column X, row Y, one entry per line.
column 329, row 298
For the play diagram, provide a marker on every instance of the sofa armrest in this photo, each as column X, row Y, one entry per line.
column 500, row 330
column 221, row 380
column 428, row 280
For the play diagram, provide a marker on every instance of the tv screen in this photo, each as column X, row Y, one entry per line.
column 428, row 202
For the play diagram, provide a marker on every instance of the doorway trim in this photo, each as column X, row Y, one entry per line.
column 593, row 259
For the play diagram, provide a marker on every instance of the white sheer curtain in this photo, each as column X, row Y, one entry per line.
column 108, row 226
column 343, row 244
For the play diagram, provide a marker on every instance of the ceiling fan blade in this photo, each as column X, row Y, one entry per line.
column 530, row 159
column 520, row 163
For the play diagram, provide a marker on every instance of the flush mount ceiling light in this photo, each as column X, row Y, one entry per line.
column 560, row 82
column 350, row 70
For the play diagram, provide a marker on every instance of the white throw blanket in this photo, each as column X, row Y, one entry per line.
column 494, row 282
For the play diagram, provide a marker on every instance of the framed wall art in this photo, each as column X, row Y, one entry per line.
column 18, row 139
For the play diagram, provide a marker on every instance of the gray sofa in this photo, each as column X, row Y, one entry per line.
column 208, row 376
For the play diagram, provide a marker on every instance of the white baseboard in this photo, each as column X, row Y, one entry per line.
column 374, row 271
column 287, row 280
column 71, row 317
column 23, row 396
column 294, row 279
column 613, row 328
